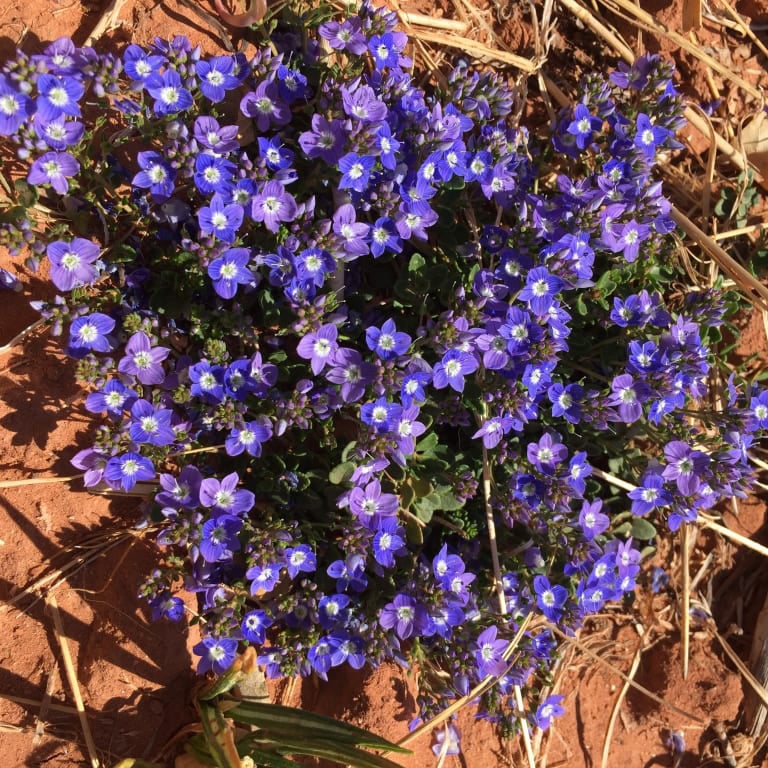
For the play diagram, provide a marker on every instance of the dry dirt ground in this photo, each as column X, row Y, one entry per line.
column 135, row 676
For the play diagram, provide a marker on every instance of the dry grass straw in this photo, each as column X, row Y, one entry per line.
column 69, row 668
column 574, row 642
column 107, row 22
column 685, row 597
column 620, row 698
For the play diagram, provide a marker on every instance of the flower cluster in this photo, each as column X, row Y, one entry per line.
column 341, row 327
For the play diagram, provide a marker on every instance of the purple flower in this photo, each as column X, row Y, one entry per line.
column 54, row 168
column 156, row 174
column 369, row 504
column 757, row 417
column 249, row 437
column 548, row 709
column 353, row 234
column 15, row 108
column 265, row 106
column 91, row 331
column 345, row 35
column 165, row 606
column 388, row 542
column 362, row 104
column 629, row 395
column 168, row 92
column 300, row 559
column 60, row 133
column 211, row 135
column 319, row 347
column 578, row 469
column 684, row 464
column 406, row 429
column 314, row 264
column 388, row 343
column 230, row 270
column 566, row 401
column 114, row 397
column 628, row 239
column 405, row 614
column 412, row 389
column 546, row 454
column 356, row 171
column 386, row 49
column 58, row 96
column 127, row 469
column 494, row 429
column 352, row 373
column 72, row 264
column 347, row 648
column 445, row 565
column 448, row 733
column 549, row 598
column 182, row 491
column 650, row 495
column 222, row 221
column 150, row 425
column 143, row 360
column 213, row 174
column 489, row 654
column 217, row 654
column 224, row 497
column 273, row 205
column 218, row 539
column 627, row 559
column 325, row 140
column 592, row 521
column 452, row 369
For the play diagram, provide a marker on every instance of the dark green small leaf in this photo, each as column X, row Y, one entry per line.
column 341, row 472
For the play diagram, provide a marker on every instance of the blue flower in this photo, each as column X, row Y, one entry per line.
column 218, row 538
column 550, row 599
column 387, row 342
column 583, row 126
column 213, row 174
column 548, row 709
column 156, row 174
column 356, row 171
column 254, row 626
column 127, row 469
column 388, row 542
column 452, row 369
column 230, row 270
column 319, row 347
column 92, row 332
column 58, row 96
column 216, row 78
column 489, row 653
column 151, row 425
column 249, row 437
column 169, row 93
column 299, row 559
column 217, row 654
column 224, row 497
column 222, row 221
column 15, row 108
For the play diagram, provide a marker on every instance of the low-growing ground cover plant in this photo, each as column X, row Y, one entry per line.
column 376, row 344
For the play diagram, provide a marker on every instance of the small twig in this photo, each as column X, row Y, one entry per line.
column 650, row 694
column 737, row 537
column 107, row 22
column 72, row 678
column 21, row 336
column 436, row 22
column 38, row 481
column 619, row 701
column 613, row 480
column 524, row 727
column 45, row 704
column 34, row 703
column 685, row 619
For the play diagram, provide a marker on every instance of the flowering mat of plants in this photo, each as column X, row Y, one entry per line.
column 473, row 374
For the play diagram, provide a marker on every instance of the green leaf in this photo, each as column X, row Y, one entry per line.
column 417, row 263
column 642, row 529
column 341, row 472
column 264, row 759
column 271, row 716
column 424, row 509
column 428, row 444
column 421, row 487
